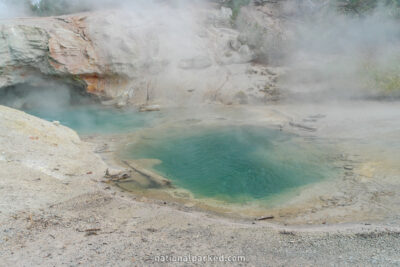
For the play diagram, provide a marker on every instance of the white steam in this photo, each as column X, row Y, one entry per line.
column 337, row 56
column 10, row 9
column 170, row 48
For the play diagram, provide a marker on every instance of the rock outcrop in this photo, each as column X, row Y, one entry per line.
column 261, row 27
column 168, row 56
column 42, row 162
column 44, row 146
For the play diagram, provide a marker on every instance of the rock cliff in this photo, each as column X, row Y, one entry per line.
column 170, row 56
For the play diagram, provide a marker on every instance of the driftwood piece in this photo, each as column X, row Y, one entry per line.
column 155, row 178
column 303, row 127
column 265, row 218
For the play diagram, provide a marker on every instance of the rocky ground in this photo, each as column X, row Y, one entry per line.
column 57, row 209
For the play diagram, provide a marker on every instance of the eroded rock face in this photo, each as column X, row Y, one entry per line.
column 169, row 56
column 264, row 28
column 47, row 47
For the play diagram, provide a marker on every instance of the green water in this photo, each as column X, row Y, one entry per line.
column 95, row 119
column 234, row 164
column 53, row 101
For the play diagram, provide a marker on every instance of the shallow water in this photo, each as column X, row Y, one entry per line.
column 233, row 163
column 96, row 119
column 57, row 102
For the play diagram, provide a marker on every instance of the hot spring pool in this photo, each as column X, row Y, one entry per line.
column 52, row 101
column 95, row 119
column 232, row 163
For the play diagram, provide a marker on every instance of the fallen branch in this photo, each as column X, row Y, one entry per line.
column 149, row 175
column 265, row 218
column 302, row 126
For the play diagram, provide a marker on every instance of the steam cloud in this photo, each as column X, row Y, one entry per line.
column 327, row 54
column 332, row 55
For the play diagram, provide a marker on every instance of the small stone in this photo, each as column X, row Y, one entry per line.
column 348, row 167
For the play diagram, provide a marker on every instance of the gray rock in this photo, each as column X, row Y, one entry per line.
column 115, row 53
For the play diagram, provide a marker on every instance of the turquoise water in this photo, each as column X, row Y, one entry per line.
column 58, row 102
column 234, row 164
column 95, row 119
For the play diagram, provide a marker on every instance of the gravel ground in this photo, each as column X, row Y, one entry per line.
column 102, row 229
column 49, row 217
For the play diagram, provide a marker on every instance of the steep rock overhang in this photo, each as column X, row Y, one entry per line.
column 52, row 48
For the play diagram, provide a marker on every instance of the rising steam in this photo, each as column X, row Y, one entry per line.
column 335, row 55
column 327, row 54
